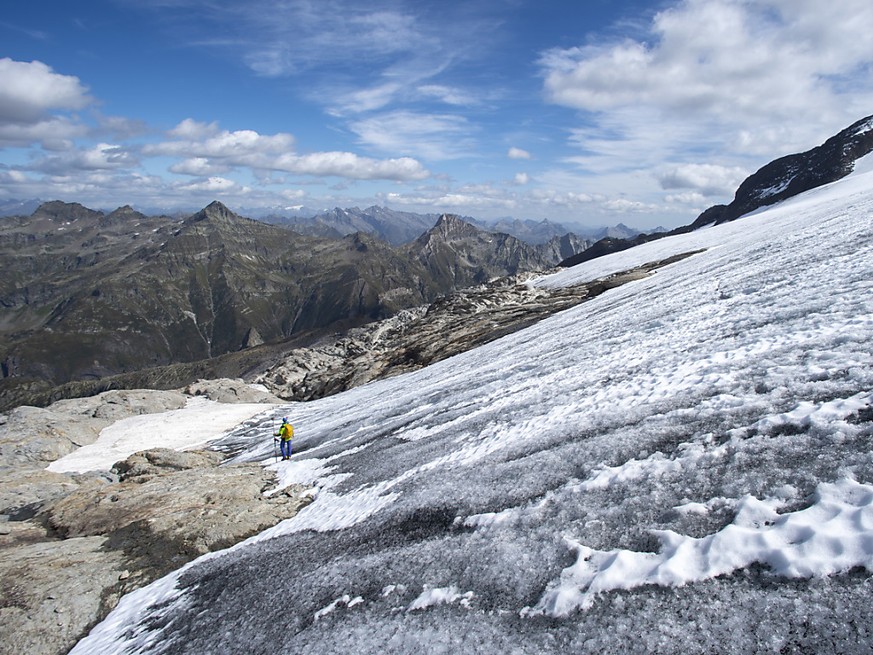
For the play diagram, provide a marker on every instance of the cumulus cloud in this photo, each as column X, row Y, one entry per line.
column 213, row 184
column 350, row 165
column 626, row 206
column 30, row 90
column 192, row 130
column 199, row 167
column 55, row 133
column 551, row 197
column 120, row 127
column 690, row 198
column 521, row 179
column 240, row 147
column 208, row 150
column 101, row 157
column 723, row 56
column 34, row 105
column 517, row 153
column 721, row 78
column 473, row 198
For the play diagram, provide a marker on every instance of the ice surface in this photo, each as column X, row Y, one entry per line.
column 833, row 535
column 195, row 425
column 681, row 465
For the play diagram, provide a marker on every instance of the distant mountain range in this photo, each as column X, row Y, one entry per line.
column 398, row 227
column 395, row 227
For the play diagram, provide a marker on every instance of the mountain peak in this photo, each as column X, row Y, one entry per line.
column 215, row 211
column 65, row 211
column 453, row 226
column 125, row 213
column 216, row 207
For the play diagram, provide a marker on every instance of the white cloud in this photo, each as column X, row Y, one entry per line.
column 731, row 81
column 551, row 197
column 448, row 95
column 120, row 127
column 723, row 57
column 350, row 165
column 292, row 194
column 432, row 136
column 367, row 99
column 517, row 153
column 101, row 157
column 198, row 167
column 12, row 177
column 213, row 184
column 625, row 206
column 691, row 198
column 56, row 133
column 707, row 179
column 30, row 90
column 521, row 179
column 207, row 150
column 241, row 147
column 189, row 129
column 33, row 102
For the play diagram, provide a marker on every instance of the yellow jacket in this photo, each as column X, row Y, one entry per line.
column 286, row 431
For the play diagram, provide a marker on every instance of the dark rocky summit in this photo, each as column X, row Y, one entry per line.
column 791, row 175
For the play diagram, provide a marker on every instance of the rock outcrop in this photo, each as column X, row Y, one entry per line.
column 72, row 545
column 34, row 436
column 231, row 391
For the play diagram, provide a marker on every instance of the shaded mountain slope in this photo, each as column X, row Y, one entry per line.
column 95, row 296
column 457, row 254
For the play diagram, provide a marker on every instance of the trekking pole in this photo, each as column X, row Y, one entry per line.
column 275, row 441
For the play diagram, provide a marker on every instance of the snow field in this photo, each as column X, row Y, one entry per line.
column 194, row 426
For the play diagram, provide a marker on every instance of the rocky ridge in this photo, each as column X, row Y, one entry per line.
column 424, row 335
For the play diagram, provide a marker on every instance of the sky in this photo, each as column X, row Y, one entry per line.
column 682, row 464
column 592, row 113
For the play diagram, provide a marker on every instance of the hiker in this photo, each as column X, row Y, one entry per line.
column 285, row 434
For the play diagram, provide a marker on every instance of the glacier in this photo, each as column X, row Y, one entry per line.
column 683, row 464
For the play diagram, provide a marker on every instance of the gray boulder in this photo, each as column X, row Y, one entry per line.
column 231, row 391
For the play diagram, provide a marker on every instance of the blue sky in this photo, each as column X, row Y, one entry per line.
column 590, row 113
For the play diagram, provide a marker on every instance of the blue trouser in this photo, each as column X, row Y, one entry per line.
column 285, row 447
